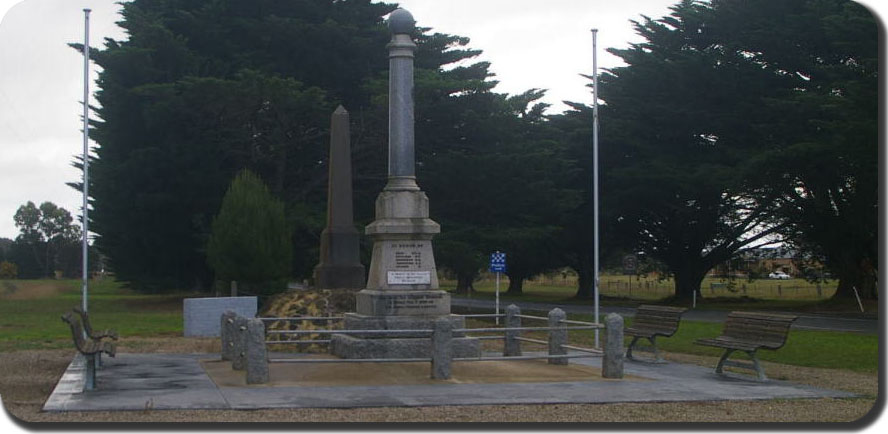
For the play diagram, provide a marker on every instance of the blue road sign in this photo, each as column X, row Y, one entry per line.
column 498, row 262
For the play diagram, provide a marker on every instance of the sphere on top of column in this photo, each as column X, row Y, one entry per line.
column 401, row 22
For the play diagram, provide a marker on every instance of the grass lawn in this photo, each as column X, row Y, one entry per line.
column 641, row 287
column 816, row 349
column 37, row 348
column 31, row 310
column 30, row 319
column 793, row 294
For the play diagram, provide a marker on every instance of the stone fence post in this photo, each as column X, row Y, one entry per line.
column 612, row 364
column 226, row 333
column 256, row 358
column 512, row 346
column 557, row 338
column 442, row 353
column 239, row 330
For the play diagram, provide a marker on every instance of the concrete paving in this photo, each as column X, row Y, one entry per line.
column 179, row 382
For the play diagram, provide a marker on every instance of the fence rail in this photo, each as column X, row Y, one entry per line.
column 582, row 349
column 303, row 318
column 533, row 341
column 542, row 318
column 240, row 339
column 388, row 360
column 653, row 288
column 527, row 357
column 349, row 332
column 528, row 329
column 483, row 315
column 306, row 341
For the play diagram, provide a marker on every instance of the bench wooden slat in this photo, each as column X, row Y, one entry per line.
column 84, row 318
column 768, row 330
column 651, row 321
column 760, row 330
column 748, row 332
column 86, row 347
column 721, row 342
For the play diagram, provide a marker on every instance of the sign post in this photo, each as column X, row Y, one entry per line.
column 497, row 265
column 630, row 267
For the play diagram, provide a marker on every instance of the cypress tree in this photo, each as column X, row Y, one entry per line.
column 250, row 240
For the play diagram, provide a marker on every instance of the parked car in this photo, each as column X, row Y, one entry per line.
column 779, row 275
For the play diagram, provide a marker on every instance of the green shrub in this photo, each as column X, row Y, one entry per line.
column 8, row 270
column 250, row 240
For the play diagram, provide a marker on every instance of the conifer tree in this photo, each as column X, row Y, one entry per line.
column 250, row 241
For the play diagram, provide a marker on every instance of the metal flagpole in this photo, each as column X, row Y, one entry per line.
column 595, row 170
column 85, row 245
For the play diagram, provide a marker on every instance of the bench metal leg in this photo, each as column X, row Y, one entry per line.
column 758, row 366
column 755, row 365
column 90, row 372
column 721, row 362
column 653, row 348
column 657, row 358
column 631, row 345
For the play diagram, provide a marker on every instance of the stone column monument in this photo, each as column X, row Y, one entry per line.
column 402, row 287
column 340, row 263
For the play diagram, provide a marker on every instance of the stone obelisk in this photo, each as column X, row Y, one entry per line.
column 340, row 264
column 402, row 287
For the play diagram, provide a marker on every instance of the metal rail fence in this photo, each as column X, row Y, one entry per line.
column 558, row 327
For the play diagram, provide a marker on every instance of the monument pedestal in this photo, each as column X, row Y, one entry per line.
column 402, row 287
column 398, row 345
column 402, row 284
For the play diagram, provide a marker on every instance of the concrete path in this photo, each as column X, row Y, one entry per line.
column 177, row 381
column 805, row 321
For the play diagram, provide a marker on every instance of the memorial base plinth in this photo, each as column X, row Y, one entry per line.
column 356, row 322
column 407, row 344
column 371, row 302
column 351, row 347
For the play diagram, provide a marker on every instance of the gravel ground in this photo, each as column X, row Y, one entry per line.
column 29, row 377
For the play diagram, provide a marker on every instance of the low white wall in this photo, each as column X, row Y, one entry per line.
column 202, row 316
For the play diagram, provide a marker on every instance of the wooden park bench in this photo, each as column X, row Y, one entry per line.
column 88, row 347
column 747, row 332
column 84, row 318
column 652, row 321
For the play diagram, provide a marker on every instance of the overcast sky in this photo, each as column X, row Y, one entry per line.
column 530, row 43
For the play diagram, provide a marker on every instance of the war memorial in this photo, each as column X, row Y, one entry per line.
column 402, row 288
column 404, row 320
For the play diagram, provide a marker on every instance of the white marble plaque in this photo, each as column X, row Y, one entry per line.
column 409, row 277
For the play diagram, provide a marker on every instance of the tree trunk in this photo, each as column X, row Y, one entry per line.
column 516, row 285
column 585, row 278
column 860, row 275
column 280, row 169
column 47, row 268
column 37, row 260
column 687, row 282
column 464, row 283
